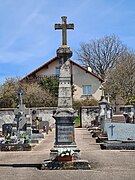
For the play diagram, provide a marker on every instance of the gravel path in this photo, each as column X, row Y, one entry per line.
column 106, row 165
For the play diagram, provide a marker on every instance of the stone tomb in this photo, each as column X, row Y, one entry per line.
column 120, row 131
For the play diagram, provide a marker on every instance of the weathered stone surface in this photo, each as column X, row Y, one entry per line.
column 65, row 114
column 15, row 147
column 6, row 116
column 118, row 145
column 22, row 117
column 37, row 135
column 45, row 113
column 101, row 139
column 77, row 164
column 65, row 97
column 120, row 131
column 89, row 116
column 70, row 165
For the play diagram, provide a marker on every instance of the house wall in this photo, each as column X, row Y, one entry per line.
column 82, row 77
column 50, row 70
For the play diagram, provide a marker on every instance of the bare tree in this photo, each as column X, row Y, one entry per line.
column 101, row 54
column 121, row 79
column 8, row 92
column 34, row 94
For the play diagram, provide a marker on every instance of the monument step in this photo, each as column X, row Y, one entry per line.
column 118, row 145
column 70, row 165
column 15, row 147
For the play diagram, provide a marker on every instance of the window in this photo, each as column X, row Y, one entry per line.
column 57, row 71
column 86, row 89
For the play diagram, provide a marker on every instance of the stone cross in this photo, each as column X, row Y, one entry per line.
column 20, row 95
column 103, row 90
column 65, row 114
column 112, row 126
column 64, row 26
column 108, row 97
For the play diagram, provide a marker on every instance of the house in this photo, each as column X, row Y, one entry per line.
column 87, row 83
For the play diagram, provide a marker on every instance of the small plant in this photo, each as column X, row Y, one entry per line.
column 65, row 153
column 77, row 121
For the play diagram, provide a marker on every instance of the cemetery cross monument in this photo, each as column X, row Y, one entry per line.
column 22, row 121
column 65, row 114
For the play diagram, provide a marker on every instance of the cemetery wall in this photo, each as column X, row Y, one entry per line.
column 89, row 115
column 44, row 113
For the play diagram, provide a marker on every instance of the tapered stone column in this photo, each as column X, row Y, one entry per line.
column 65, row 114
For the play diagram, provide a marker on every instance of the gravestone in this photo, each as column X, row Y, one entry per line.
column 22, row 121
column 6, row 129
column 120, row 131
column 1, row 124
column 105, row 113
column 65, row 114
column 44, row 125
column 129, row 113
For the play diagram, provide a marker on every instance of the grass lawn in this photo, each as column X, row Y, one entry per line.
column 77, row 121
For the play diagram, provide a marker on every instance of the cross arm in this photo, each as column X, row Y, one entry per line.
column 58, row 26
column 70, row 26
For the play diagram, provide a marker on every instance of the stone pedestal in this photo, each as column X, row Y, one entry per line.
column 65, row 114
column 105, row 113
column 65, row 137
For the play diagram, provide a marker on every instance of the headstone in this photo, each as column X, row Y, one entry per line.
column 22, row 121
column 120, row 131
column 129, row 114
column 34, row 113
column 65, row 114
column 6, row 129
column 105, row 113
column 44, row 125
column 1, row 124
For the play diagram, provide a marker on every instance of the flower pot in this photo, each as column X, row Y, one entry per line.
column 64, row 158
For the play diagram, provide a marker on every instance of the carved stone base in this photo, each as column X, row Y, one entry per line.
column 69, row 165
column 58, row 150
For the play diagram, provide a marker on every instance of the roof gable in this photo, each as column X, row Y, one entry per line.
column 54, row 59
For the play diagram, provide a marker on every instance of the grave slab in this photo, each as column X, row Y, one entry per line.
column 120, row 131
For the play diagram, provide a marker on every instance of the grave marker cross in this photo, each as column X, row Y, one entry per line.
column 112, row 126
column 64, row 26
column 20, row 95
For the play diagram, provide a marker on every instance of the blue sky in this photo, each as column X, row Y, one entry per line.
column 28, row 38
